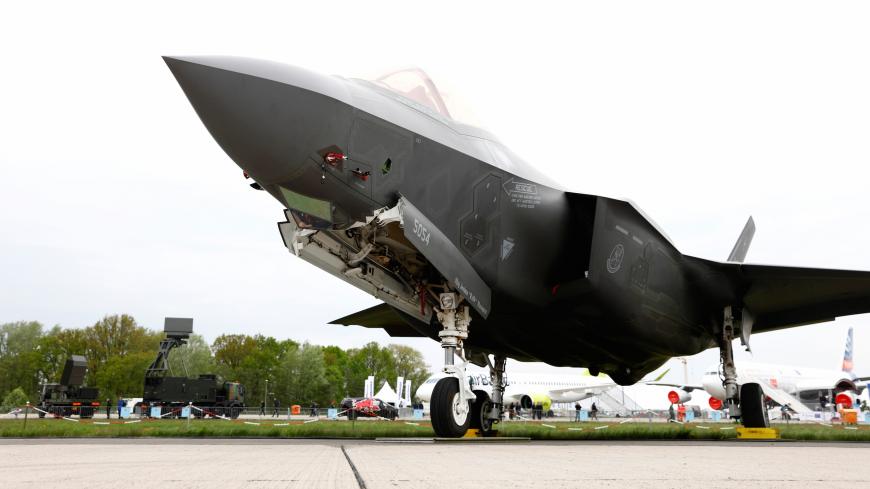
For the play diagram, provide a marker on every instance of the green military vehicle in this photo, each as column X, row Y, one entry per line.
column 70, row 397
column 212, row 396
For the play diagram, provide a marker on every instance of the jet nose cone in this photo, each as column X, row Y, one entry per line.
column 269, row 118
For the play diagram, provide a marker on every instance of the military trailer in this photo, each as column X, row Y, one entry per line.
column 70, row 397
column 208, row 393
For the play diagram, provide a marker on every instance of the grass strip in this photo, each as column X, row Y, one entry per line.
column 370, row 429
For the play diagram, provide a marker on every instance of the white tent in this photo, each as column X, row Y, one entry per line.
column 387, row 394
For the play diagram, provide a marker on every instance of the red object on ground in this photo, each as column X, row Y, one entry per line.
column 673, row 397
column 366, row 406
column 844, row 399
column 715, row 404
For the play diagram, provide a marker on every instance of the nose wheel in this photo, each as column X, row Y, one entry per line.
column 451, row 413
column 480, row 414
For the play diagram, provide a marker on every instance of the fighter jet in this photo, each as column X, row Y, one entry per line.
column 469, row 245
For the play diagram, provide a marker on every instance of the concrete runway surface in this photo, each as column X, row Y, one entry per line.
column 247, row 463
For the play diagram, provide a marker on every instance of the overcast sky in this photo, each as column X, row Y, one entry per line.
column 115, row 199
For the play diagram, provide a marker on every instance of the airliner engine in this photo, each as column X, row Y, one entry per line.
column 526, row 401
column 679, row 396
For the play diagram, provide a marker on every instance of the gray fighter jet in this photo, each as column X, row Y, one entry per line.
column 467, row 244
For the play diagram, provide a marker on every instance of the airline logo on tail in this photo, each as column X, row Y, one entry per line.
column 847, row 357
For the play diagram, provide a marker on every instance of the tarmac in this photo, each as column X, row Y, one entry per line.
column 352, row 464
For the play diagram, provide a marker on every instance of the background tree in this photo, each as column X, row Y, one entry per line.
column 14, row 399
column 410, row 364
column 337, row 371
column 20, row 358
column 123, row 376
column 251, row 360
column 119, row 350
column 371, row 359
column 301, row 377
column 192, row 359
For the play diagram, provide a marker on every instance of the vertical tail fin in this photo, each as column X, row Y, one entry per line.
column 847, row 356
column 741, row 247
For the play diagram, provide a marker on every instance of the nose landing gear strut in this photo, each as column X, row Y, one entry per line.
column 454, row 405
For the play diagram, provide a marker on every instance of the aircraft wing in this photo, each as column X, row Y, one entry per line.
column 385, row 317
column 784, row 297
column 586, row 389
column 687, row 388
column 610, row 385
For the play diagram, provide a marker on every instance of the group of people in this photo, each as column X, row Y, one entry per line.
column 276, row 411
column 578, row 409
column 515, row 410
column 679, row 415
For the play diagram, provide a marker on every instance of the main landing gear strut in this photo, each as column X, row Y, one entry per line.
column 454, row 405
column 744, row 402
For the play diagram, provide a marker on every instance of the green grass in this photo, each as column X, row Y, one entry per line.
column 212, row 428
column 379, row 429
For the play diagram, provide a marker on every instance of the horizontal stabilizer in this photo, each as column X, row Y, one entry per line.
column 384, row 317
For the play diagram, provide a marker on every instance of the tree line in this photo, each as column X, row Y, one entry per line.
column 119, row 350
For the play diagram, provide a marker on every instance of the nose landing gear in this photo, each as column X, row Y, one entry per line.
column 452, row 395
column 454, row 405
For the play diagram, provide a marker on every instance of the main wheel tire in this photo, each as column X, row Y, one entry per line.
column 450, row 419
column 479, row 410
column 752, row 410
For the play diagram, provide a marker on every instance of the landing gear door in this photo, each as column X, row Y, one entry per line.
column 446, row 258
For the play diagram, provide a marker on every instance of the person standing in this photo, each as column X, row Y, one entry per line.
column 262, row 408
column 313, row 409
column 671, row 416
column 108, row 408
column 277, row 405
column 577, row 410
column 594, row 412
column 785, row 414
column 120, row 406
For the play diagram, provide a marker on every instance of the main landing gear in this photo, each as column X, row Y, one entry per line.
column 745, row 402
column 454, row 406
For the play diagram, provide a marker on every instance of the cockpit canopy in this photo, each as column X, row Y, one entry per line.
column 416, row 86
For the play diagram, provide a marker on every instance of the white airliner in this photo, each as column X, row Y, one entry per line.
column 798, row 387
column 527, row 390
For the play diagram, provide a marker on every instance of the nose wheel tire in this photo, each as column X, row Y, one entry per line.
column 752, row 410
column 450, row 414
column 479, row 411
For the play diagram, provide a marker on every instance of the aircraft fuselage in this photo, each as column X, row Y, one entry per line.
column 590, row 274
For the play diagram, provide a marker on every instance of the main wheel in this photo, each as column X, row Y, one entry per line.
column 752, row 410
column 450, row 414
column 479, row 411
